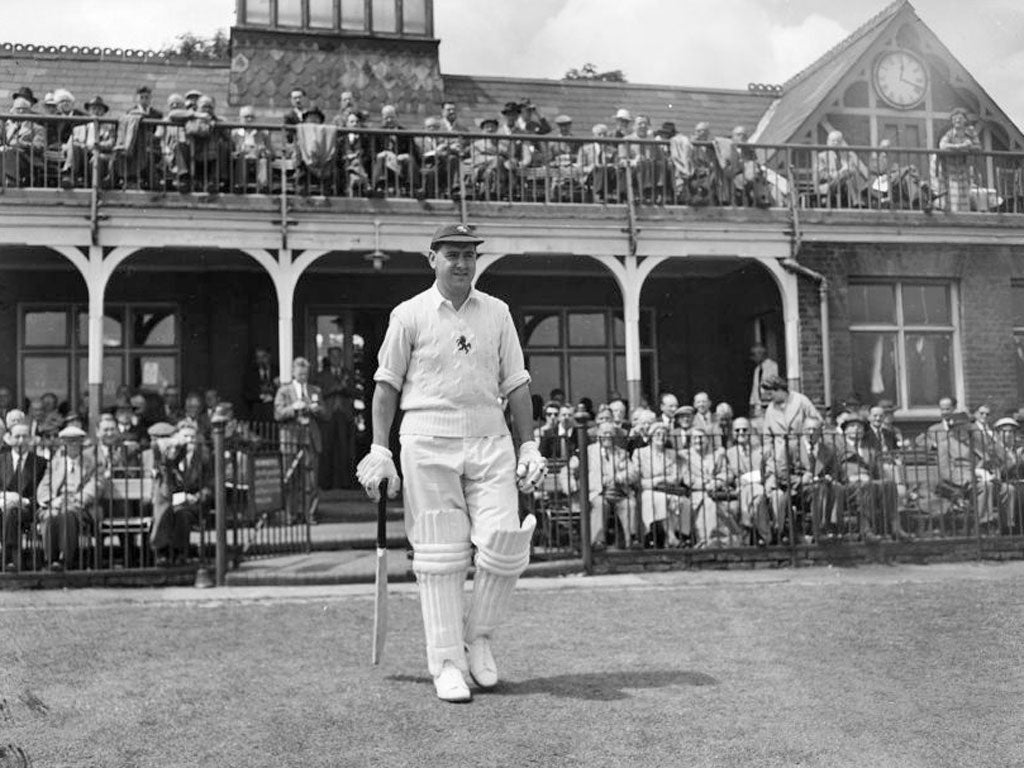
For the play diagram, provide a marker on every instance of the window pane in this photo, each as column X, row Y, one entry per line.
column 874, row 366
column 154, row 372
column 1018, row 306
column 588, row 377
column 112, row 327
column 257, row 11
column 545, row 373
column 289, row 13
column 929, row 368
column 872, row 303
column 46, row 374
column 618, row 329
column 46, row 329
column 542, row 330
column 414, row 17
column 321, row 14
column 353, row 15
column 113, row 377
column 926, row 305
column 586, row 329
column 384, row 17
column 153, row 328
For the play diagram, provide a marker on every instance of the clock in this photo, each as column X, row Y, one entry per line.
column 901, row 79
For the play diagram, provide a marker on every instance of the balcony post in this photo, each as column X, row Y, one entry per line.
column 284, row 284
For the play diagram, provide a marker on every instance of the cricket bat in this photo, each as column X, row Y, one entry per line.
column 380, row 599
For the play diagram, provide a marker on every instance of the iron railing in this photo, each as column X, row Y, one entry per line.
column 198, row 156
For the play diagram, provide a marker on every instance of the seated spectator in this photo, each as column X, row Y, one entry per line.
column 395, row 158
column 21, row 471
column 566, row 183
column 451, row 152
column 252, row 152
column 22, row 146
column 65, row 103
column 612, row 480
column 66, row 497
column 640, row 422
column 642, row 160
column 554, row 436
column 89, row 142
column 1011, row 474
column 867, row 495
column 661, row 488
column 426, row 146
column 597, row 164
column 740, row 484
column 519, row 153
column 702, row 417
column 840, row 181
column 354, row 158
column 489, row 164
column 745, row 176
column 182, row 493
column 202, row 149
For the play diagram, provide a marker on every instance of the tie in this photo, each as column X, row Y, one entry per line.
column 305, row 397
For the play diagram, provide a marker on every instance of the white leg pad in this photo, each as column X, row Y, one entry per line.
column 499, row 563
column 441, row 557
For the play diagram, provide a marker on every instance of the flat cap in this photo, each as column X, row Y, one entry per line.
column 161, row 429
column 563, row 120
column 454, row 233
column 72, row 433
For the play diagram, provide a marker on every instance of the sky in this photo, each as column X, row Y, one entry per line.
column 701, row 43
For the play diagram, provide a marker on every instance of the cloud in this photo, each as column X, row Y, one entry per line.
column 725, row 44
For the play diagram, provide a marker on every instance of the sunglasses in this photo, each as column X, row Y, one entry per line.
column 740, row 431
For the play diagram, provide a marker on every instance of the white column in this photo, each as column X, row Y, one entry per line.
column 631, row 316
column 789, row 293
column 96, row 283
column 285, row 286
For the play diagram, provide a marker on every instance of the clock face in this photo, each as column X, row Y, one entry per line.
column 901, row 79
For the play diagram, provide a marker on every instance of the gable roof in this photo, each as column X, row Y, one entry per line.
column 590, row 102
column 804, row 92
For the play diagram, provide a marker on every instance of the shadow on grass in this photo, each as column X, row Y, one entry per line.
column 588, row 686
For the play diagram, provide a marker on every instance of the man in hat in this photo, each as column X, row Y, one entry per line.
column 21, row 470
column 396, row 155
column 142, row 146
column 450, row 356
column 596, row 162
column 183, row 491
column 25, row 93
column 66, row 495
column 612, row 482
column 488, row 163
column 23, row 144
column 298, row 408
column 565, row 178
column 89, row 140
column 623, row 123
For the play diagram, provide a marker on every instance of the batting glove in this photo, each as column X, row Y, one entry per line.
column 376, row 467
column 532, row 467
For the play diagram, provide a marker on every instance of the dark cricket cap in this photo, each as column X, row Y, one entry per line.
column 454, row 233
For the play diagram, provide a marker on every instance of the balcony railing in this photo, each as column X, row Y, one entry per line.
column 197, row 156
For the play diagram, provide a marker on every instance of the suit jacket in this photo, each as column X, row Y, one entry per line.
column 298, row 428
column 23, row 483
column 886, row 443
column 254, row 385
column 956, row 454
column 553, row 446
column 196, row 477
column 338, row 393
column 55, row 490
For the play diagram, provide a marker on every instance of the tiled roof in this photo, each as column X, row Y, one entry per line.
column 596, row 102
column 805, row 91
column 113, row 77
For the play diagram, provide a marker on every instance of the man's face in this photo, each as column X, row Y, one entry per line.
column 741, row 432
column 642, row 126
column 982, row 415
column 449, row 112
column 551, row 416
column 565, row 129
column 262, row 357
column 946, row 407
column 658, row 438
column 186, row 435
column 618, row 409
column 959, row 121
column 19, row 437
column 298, row 99
column 138, row 404
column 565, row 414
column 490, row 127
column 49, row 402
column 334, row 355
column 73, row 448
column 300, row 372
column 144, row 99
column 65, row 106
column 211, row 398
column 454, row 266
column 875, row 416
column 35, row 409
column 739, row 136
column 702, row 403
column 669, row 405
column 702, row 132
column 388, row 119
column 623, row 124
column 193, row 405
column 685, row 419
column 106, row 431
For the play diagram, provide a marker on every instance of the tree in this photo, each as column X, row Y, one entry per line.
column 589, row 72
column 189, row 45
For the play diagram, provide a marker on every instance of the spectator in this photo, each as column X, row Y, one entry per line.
column 668, row 405
column 183, row 492
column 65, row 108
column 489, row 164
column 612, row 482
column 316, row 145
column 89, row 143
column 395, row 158
column 640, row 160
column 450, row 152
column 252, row 152
column 738, row 471
column 297, row 408
column 867, row 495
column 840, row 181
column 764, row 367
column 65, row 496
column 141, row 139
column 21, row 471
column 296, row 114
column 623, row 124
column 954, row 165
column 702, row 418
column 337, row 461
column 596, row 161
column 259, row 384
column 660, row 472
column 21, row 150
column 202, row 160
column 354, row 157
column 348, row 107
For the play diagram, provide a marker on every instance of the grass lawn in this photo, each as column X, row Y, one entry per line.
column 872, row 667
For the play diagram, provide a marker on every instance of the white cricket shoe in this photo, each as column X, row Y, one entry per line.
column 451, row 685
column 481, row 663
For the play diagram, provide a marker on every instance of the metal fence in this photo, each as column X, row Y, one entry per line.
column 199, row 154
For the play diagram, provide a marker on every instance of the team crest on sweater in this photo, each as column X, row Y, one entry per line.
column 463, row 342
